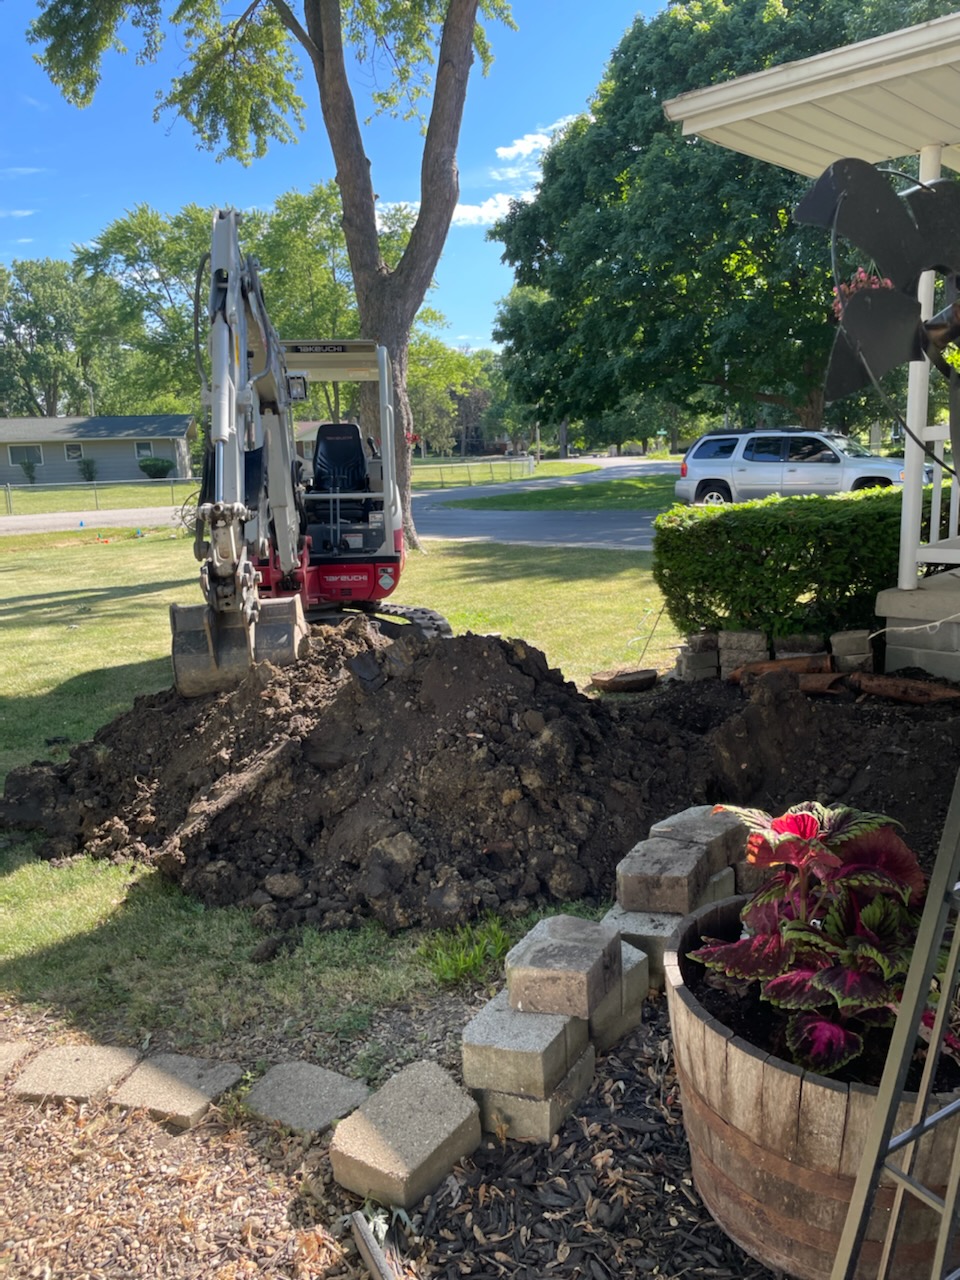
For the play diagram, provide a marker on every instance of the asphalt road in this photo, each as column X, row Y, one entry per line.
column 619, row 530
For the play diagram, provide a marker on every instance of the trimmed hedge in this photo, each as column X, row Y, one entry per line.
column 779, row 565
column 156, row 468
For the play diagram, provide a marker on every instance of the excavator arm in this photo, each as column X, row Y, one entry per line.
column 248, row 506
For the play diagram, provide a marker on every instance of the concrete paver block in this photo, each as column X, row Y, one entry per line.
column 516, row 1052
column 648, row 931
column 302, row 1096
column 622, row 1009
column 177, row 1088
column 78, row 1071
column 11, row 1052
column 749, row 877
column 563, row 965
column 721, row 885
column 404, row 1139
column 722, row 835
column 663, row 875
column 845, row 643
column 534, row 1119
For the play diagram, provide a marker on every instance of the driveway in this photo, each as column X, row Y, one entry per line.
column 617, row 530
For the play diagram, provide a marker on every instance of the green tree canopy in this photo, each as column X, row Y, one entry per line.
column 665, row 263
column 239, row 93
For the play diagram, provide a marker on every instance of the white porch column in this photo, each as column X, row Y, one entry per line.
column 918, row 386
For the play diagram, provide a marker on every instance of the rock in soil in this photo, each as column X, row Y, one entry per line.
column 422, row 782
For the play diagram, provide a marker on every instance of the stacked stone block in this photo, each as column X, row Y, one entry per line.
column 852, row 651
column 687, row 861
column 737, row 648
column 698, row 658
column 573, row 986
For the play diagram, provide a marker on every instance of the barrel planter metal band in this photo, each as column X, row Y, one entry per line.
column 775, row 1149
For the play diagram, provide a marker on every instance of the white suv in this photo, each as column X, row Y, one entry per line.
column 736, row 466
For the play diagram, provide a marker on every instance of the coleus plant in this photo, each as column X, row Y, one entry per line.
column 830, row 934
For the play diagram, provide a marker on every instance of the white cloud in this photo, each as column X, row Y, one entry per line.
column 17, row 213
column 24, row 240
column 487, row 213
column 19, row 172
column 522, row 148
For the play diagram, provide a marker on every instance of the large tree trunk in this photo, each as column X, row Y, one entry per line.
column 388, row 300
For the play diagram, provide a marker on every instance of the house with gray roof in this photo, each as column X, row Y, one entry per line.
column 116, row 446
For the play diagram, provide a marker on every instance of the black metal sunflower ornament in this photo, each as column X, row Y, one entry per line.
column 903, row 235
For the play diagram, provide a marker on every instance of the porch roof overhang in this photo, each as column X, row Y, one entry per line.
column 889, row 96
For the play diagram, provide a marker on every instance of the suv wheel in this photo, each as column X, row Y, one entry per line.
column 713, row 493
column 881, row 482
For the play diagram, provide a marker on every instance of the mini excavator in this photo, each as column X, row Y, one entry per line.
column 279, row 549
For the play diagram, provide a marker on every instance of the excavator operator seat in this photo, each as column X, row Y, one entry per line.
column 339, row 460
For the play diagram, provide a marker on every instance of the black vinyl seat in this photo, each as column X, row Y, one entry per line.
column 339, row 461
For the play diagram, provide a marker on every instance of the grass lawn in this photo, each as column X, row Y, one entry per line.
column 634, row 493
column 120, row 953
column 29, row 500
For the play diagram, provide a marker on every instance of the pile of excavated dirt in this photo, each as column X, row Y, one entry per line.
column 426, row 781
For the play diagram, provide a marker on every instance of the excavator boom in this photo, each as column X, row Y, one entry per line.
column 275, row 548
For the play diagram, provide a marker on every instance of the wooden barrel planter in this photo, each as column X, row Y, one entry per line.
column 775, row 1149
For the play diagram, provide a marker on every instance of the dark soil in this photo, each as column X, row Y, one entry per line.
column 425, row 781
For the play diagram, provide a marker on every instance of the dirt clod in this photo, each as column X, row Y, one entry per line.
column 426, row 781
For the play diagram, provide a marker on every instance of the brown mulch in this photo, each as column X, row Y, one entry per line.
column 90, row 1191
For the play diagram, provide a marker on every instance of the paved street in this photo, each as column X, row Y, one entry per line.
column 624, row 530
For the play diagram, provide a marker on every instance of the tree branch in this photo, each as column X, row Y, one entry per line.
column 439, row 176
column 293, row 25
column 325, row 36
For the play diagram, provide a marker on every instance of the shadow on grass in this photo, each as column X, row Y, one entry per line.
column 493, row 562
column 56, row 606
column 46, row 726
column 153, row 962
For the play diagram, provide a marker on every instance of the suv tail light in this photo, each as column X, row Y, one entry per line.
column 683, row 469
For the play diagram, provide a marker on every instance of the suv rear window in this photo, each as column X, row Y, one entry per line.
column 763, row 449
column 720, row 447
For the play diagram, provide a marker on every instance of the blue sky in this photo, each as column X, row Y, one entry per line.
column 66, row 173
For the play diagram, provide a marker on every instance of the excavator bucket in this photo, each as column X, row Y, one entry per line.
column 213, row 652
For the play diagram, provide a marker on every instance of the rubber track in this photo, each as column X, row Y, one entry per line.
column 429, row 621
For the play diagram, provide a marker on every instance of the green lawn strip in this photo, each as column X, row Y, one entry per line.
column 84, row 629
column 123, row 954
column 30, row 500
column 635, row 493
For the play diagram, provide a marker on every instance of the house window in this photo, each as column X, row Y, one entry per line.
column 31, row 454
column 144, row 448
column 73, row 452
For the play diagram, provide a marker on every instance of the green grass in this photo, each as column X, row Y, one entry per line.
column 83, row 629
column 124, row 955
column 640, row 493
column 30, row 500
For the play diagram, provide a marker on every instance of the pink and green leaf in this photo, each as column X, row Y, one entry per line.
column 852, row 987
column 821, row 1045
column 761, row 956
column 795, row 990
